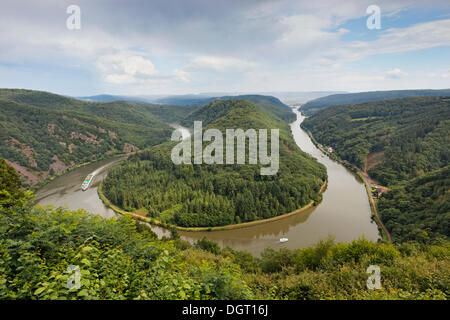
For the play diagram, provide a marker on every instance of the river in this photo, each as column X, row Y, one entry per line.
column 343, row 214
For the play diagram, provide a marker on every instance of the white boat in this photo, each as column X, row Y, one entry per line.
column 284, row 240
column 87, row 182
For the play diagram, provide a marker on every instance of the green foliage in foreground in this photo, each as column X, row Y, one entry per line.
column 121, row 259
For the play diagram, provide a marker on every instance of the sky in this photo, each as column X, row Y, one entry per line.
column 161, row 47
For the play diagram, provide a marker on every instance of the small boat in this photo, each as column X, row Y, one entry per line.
column 283, row 240
column 87, row 181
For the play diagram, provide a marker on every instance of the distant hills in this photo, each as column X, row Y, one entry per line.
column 288, row 97
column 111, row 98
column 268, row 103
column 409, row 135
column 44, row 133
column 361, row 97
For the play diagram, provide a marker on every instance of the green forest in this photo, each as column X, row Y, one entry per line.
column 215, row 195
column 418, row 209
column 122, row 259
column 411, row 133
column 39, row 129
column 268, row 103
column 413, row 138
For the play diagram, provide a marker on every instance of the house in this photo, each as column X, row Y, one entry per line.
column 379, row 191
column 330, row 149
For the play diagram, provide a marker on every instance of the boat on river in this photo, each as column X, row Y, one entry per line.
column 87, row 181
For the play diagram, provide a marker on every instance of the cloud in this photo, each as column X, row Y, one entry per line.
column 445, row 74
column 201, row 45
column 220, row 64
column 125, row 68
column 395, row 74
column 416, row 37
column 129, row 68
column 182, row 75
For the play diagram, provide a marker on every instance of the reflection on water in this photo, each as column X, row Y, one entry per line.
column 344, row 212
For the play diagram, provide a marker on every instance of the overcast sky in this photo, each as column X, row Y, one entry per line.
column 194, row 46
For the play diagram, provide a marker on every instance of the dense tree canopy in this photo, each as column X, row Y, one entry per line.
column 38, row 129
column 418, row 209
column 411, row 138
column 122, row 259
column 411, row 134
column 214, row 195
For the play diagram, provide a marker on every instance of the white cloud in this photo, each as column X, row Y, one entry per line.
column 395, row 74
column 218, row 63
column 130, row 68
column 182, row 76
column 209, row 45
column 125, row 68
column 398, row 40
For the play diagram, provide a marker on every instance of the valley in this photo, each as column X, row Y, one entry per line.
column 344, row 203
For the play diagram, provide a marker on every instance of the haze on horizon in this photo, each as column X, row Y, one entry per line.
column 177, row 47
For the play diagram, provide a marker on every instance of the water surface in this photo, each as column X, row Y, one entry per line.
column 344, row 212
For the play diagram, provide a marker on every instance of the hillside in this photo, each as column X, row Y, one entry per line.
column 127, row 111
column 43, row 133
column 361, row 97
column 187, row 99
column 122, row 260
column 268, row 103
column 213, row 195
column 398, row 139
column 418, row 209
column 404, row 144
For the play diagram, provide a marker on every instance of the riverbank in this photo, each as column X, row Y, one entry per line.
column 384, row 232
column 381, row 227
column 46, row 181
column 343, row 213
column 158, row 223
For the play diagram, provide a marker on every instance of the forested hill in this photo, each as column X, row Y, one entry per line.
column 127, row 111
column 402, row 143
column 418, row 209
column 400, row 138
column 268, row 103
column 213, row 195
column 361, row 97
column 44, row 133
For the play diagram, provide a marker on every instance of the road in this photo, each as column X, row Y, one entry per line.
column 369, row 192
column 372, row 202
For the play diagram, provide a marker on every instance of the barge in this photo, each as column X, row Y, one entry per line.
column 87, row 181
